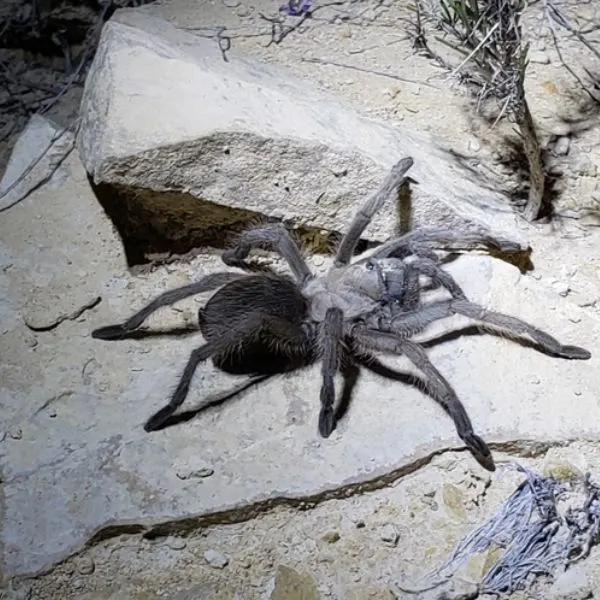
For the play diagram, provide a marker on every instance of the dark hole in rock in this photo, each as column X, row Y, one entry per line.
column 174, row 223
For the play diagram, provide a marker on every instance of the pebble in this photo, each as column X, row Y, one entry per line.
column 290, row 584
column 389, row 534
column 31, row 341
column 556, row 171
column 474, row 145
column 215, row 559
column 85, row 565
column 331, row 537
column 561, row 288
column 16, row 433
column 242, row 11
column 562, row 145
column 541, row 58
column 231, row 3
column 175, row 543
column 392, row 92
column 573, row 584
column 198, row 473
column 318, row 261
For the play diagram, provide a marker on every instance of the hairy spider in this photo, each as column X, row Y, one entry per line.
column 266, row 324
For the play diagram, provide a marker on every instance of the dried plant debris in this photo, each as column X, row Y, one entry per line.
column 488, row 38
column 557, row 19
column 46, row 49
column 545, row 526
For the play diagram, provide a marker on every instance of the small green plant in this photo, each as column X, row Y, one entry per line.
column 487, row 34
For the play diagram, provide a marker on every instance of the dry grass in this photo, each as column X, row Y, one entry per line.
column 487, row 35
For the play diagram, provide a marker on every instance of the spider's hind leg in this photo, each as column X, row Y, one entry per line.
column 208, row 283
column 232, row 352
column 157, row 420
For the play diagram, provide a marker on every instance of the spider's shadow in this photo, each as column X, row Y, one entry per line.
column 477, row 330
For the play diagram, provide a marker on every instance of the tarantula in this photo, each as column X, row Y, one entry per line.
column 267, row 324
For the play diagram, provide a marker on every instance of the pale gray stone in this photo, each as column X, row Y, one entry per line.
column 99, row 473
column 254, row 138
column 573, row 584
column 216, row 559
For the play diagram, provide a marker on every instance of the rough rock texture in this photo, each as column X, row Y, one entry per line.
column 39, row 150
column 76, row 460
column 241, row 138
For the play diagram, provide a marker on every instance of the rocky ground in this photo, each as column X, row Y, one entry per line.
column 246, row 501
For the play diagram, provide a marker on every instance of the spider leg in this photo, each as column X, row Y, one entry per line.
column 517, row 326
column 157, row 420
column 228, row 342
column 438, row 387
column 272, row 236
column 119, row 331
column 350, row 372
column 330, row 338
column 438, row 276
column 413, row 242
column 395, row 178
column 370, row 363
column 188, row 415
column 405, row 324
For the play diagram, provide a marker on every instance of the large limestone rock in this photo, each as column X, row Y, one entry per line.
column 78, row 467
column 188, row 147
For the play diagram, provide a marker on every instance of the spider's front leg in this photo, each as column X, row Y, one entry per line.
column 418, row 243
column 330, row 339
column 438, row 387
column 515, row 326
column 206, row 284
column 274, row 237
column 395, row 178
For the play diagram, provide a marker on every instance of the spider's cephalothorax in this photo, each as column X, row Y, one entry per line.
column 265, row 324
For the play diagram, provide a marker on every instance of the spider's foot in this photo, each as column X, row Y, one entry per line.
column 480, row 451
column 575, row 352
column 326, row 422
column 157, row 420
column 234, row 257
column 110, row 332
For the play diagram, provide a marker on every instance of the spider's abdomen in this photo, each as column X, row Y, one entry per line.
column 262, row 351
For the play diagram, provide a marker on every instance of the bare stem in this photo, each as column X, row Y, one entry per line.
column 533, row 152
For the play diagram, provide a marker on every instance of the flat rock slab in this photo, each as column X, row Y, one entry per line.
column 163, row 112
column 75, row 459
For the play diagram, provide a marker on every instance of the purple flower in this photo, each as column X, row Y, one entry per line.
column 295, row 8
